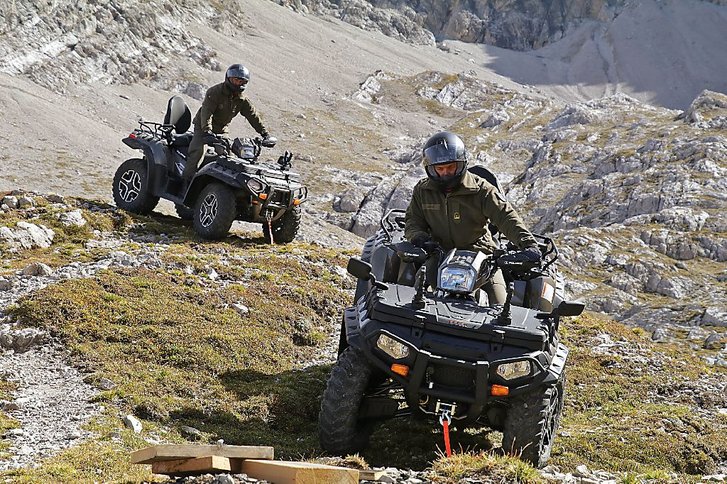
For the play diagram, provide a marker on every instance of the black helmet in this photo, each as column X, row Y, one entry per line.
column 441, row 149
column 237, row 71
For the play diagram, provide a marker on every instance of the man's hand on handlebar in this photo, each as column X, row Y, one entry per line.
column 529, row 256
column 425, row 242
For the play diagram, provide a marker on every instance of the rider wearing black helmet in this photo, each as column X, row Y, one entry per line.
column 221, row 103
column 453, row 208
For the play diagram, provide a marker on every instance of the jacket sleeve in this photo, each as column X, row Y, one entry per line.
column 248, row 110
column 207, row 110
column 506, row 219
column 415, row 224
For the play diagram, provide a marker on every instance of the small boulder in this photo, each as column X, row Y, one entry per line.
column 74, row 218
column 133, row 423
column 37, row 269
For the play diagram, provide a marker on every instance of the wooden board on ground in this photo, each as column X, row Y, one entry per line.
column 197, row 465
column 159, row 453
column 283, row 472
column 370, row 475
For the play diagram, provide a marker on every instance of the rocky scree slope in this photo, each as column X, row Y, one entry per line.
column 633, row 193
column 60, row 43
column 519, row 25
column 147, row 336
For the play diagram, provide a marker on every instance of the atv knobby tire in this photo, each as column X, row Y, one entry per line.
column 285, row 228
column 131, row 188
column 339, row 429
column 184, row 212
column 532, row 422
column 214, row 211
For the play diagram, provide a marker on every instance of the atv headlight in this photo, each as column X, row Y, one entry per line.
column 255, row 186
column 457, row 279
column 392, row 347
column 517, row 369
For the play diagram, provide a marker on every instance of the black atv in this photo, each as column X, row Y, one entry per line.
column 442, row 352
column 229, row 185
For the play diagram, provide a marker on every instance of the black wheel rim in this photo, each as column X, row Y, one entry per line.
column 551, row 421
column 130, row 186
column 208, row 210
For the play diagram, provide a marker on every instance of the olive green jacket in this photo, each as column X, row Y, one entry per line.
column 459, row 219
column 220, row 105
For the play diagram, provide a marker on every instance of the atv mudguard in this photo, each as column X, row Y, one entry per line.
column 156, row 157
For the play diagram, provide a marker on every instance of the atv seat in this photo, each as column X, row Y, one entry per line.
column 178, row 115
column 182, row 141
column 483, row 172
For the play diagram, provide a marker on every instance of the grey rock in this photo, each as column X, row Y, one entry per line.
column 241, row 309
column 133, row 423
column 21, row 340
column 105, row 384
column 715, row 341
column 25, row 202
column 54, row 198
column 73, row 218
column 27, row 235
column 190, row 433
column 660, row 335
column 5, row 284
column 714, row 317
column 10, row 201
column 37, row 269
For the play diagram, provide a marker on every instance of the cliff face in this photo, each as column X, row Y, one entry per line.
column 518, row 25
column 63, row 42
column 510, row 24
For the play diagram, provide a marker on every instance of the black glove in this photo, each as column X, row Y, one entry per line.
column 421, row 240
column 209, row 138
column 529, row 255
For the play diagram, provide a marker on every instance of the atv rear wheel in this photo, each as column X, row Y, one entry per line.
column 285, row 228
column 339, row 429
column 214, row 211
column 532, row 422
column 184, row 212
column 131, row 188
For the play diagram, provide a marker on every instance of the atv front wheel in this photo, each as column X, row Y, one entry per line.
column 214, row 211
column 285, row 228
column 532, row 422
column 184, row 212
column 339, row 429
column 131, row 188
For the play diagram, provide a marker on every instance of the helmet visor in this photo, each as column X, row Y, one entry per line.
column 238, row 81
column 439, row 154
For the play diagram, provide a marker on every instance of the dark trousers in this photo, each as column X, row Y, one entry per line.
column 195, row 153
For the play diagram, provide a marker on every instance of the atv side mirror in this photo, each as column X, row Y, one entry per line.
column 565, row 308
column 570, row 308
column 358, row 268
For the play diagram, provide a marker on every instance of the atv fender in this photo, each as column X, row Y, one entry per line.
column 155, row 155
column 557, row 365
column 205, row 176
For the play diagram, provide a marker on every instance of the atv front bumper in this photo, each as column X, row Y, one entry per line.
column 440, row 369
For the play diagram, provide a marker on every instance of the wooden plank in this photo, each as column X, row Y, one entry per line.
column 197, row 465
column 370, row 475
column 284, row 472
column 158, row 453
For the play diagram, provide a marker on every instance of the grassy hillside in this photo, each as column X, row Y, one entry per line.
column 180, row 351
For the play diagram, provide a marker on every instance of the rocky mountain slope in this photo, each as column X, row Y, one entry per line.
column 586, row 48
column 120, row 332
column 634, row 193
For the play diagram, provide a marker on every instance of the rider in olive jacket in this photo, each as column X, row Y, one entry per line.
column 222, row 102
column 453, row 207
